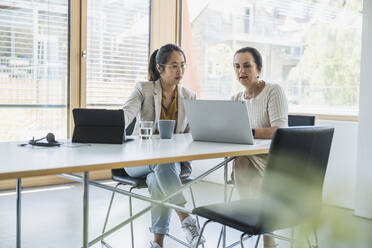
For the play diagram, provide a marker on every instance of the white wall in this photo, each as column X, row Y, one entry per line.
column 363, row 199
column 339, row 185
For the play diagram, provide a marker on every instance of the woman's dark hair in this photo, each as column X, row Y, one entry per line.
column 255, row 53
column 161, row 56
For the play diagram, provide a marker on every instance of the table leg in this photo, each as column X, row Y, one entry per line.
column 86, row 181
column 85, row 209
column 225, row 200
column 19, row 205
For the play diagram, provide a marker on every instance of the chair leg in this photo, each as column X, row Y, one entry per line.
column 229, row 200
column 220, row 237
column 201, row 232
column 308, row 241
column 242, row 240
column 257, row 241
column 292, row 236
column 316, row 238
column 130, row 215
column 109, row 209
column 231, row 192
column 194, row 205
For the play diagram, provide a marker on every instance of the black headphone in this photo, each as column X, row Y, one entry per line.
column 50, row 139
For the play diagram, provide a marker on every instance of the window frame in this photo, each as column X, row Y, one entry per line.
column 164, row 28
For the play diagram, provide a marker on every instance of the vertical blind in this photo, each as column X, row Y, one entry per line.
column 117, row 50
column 33, row 67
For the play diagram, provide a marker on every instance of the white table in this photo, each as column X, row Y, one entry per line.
column 19, row 162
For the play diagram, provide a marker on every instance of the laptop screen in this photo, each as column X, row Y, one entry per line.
column 219, row 121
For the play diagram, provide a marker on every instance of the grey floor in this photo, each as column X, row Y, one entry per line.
column 52, row 218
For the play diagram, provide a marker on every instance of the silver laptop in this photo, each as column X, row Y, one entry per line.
column 219, row 121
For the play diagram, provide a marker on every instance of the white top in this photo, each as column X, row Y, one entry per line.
column 28, row 161
column 267, row 109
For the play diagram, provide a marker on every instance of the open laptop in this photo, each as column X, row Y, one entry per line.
column 219, row 121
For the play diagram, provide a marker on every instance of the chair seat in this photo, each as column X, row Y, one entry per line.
column 251, row 217
column 131, row 181
column 120, row 176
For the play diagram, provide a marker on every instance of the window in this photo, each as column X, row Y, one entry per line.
column 117, row 50
column 33, row 68
column 311, row 48
column 247, row 17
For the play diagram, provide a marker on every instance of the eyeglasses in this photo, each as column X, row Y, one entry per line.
column 175, row 67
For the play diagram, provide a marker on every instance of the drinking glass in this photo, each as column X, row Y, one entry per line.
column 145, row 129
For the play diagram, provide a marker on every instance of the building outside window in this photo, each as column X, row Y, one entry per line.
column 311, row 48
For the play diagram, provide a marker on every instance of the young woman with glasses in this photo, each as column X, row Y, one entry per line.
column 161, row 98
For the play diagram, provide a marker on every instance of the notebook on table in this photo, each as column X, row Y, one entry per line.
column 219, row 121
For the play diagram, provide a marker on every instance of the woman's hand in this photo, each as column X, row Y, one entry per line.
column 264, row 133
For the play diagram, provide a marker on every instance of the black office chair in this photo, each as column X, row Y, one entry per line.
column 292, row 186
column 301, row 120
column 293, row 120
column 122, row 178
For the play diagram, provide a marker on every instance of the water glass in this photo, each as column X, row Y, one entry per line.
column 145, row 129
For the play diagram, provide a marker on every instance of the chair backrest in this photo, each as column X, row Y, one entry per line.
column 128, row 131
column 301, row 120
column 296, row 167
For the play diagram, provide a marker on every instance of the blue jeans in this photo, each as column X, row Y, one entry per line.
column 162, row 180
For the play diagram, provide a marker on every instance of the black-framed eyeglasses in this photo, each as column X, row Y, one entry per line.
column 175, row 67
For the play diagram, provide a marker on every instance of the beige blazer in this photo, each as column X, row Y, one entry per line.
column 145, row 103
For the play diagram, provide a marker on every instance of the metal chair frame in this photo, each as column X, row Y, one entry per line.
column 292, row 240
column 129, row 131
column 103, row 242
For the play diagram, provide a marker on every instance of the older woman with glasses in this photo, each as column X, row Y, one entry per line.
column 161, row 98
